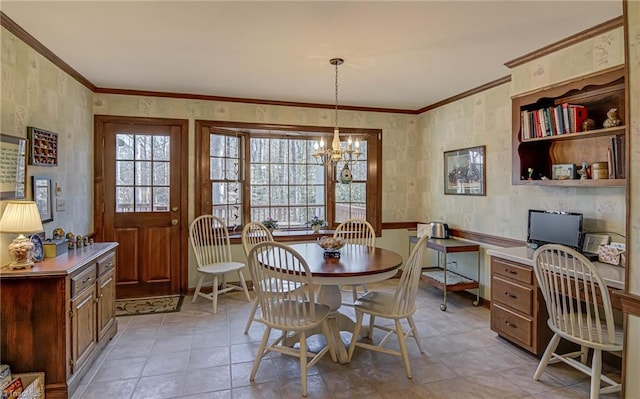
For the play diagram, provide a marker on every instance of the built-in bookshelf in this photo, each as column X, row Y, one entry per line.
column 549, row 129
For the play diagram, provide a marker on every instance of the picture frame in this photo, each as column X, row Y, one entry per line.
column 565, row 171
column 13, row 169
column 43, row 197
column 465, row 171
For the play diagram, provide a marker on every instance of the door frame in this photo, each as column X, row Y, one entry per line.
column 99, row 183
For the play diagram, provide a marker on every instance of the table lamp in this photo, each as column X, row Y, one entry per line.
column 20, row 217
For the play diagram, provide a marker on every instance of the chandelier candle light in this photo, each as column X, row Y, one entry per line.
column 335, row 154
column 20, row 217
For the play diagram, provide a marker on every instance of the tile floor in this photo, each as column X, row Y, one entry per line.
column 194, row 354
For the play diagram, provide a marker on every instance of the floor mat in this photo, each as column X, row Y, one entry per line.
column 157, row 304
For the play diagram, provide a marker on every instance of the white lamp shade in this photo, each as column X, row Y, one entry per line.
column 21, row 217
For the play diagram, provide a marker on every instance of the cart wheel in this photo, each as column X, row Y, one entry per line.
column 475, row 303
column 443, row 307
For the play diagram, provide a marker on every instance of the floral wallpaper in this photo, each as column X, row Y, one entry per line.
column 34, row 92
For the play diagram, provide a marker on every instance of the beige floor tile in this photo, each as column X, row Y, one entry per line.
column 195, row 354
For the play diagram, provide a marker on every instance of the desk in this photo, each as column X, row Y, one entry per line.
column 518, row 311
column 447, row 280
column 358, row 264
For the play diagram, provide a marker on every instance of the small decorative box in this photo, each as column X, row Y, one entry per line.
column 610, row 254
column 53, row 248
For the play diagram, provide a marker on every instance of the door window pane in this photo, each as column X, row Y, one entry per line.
column 143, row 171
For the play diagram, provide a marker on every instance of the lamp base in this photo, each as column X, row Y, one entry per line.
column 21, row 265
column 20, row 253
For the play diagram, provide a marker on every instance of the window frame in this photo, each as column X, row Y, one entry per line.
column 203, row 128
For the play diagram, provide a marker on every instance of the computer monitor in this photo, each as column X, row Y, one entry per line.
column 549, row 227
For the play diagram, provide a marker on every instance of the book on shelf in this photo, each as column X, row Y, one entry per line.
column 616, row 170
column 565, row 117
column 14, row 389
column 579, row 113
column 5, row 375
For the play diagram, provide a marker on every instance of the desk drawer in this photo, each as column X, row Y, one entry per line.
column 512, row 325
column 512, row 270
column 511, row 294
column 83, row 280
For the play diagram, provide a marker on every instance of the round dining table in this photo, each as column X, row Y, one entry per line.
column 357, row 264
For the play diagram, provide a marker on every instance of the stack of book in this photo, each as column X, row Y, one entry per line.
column 615, row 154
column 551, row 121
column 20, row 386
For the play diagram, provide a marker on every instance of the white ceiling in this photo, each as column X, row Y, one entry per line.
column 404, row 55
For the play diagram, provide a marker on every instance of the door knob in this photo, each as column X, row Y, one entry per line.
column 175, row 209
column 174, row 222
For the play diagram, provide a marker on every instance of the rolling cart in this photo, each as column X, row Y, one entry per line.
column 447, row 280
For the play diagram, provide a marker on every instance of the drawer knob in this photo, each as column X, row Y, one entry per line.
column 510, row 271
column 510, row 295
column 507, row 322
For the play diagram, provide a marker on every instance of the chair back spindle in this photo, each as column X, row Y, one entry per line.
column 564, row 274
column 274, row 268
column 356, row 231
column 404, row 297
column 210, row 240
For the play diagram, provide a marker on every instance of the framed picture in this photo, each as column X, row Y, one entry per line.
column 464, row 171
column 42, row 195
column 13, row 174
column 565, row 171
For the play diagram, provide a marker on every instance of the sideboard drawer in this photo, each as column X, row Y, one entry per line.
column 106, row 263
column 82, row 280
column 513, row 295
column 511, row 324
column 512, row 270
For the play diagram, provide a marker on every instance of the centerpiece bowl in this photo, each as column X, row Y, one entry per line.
column 331, row 246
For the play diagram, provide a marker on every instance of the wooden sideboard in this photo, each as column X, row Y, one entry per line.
column 58, row 315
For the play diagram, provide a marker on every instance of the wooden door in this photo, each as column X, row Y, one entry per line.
column 141, row 202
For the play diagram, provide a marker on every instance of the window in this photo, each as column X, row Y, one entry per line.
column 252, row 172
column 142, row 173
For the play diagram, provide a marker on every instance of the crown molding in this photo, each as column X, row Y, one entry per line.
column 40, row 48
column 569, row 41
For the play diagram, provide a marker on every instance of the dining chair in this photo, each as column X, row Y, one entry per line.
column 357, row 231
column 274, row 264
column 401, row 304
column 254, row 233
column 210, row 242
column 564, row 274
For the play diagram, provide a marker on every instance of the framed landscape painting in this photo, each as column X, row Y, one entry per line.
column 464, row 171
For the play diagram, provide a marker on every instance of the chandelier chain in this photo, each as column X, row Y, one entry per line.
column 336, row 107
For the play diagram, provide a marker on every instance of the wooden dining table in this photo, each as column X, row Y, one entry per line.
column 358, row 264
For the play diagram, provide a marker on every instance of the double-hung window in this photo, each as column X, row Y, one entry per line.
column 249, row 172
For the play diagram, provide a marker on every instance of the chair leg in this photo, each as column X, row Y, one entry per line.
column 198, row 286
column 403, row 347
column 584, row 356
column 372, row 322
column 354, row 292
column 596, row 370
column 364, row 288
column 414, row 331
column 553, row 344
column 356, row 331
column 303, row 362
column 260, row 353
column 244, row 286
column 252, row 315
column 214, row 294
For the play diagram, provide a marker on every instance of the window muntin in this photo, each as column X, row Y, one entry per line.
column 142, row 173
column 260, row 199
column 225, row 175
column 285, row 183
